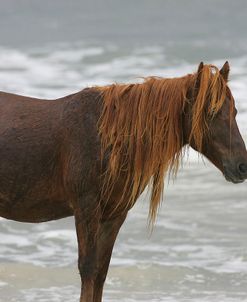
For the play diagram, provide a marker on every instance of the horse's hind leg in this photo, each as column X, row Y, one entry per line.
column 107, row 236
column 87, row 226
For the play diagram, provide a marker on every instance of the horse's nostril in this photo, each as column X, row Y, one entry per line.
column 242, row 168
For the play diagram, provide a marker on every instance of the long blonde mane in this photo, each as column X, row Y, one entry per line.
column 141, row 128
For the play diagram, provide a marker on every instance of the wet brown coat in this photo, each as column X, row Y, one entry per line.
column 50, row 169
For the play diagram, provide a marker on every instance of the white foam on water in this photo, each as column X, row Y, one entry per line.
column 64, row 235
column 3, row 283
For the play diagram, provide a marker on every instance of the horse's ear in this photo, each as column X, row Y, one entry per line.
column 225, row 71
column 199, row 74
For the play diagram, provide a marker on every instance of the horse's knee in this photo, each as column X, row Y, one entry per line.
column 87, row 268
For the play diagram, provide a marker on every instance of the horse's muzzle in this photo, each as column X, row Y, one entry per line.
column 235, row 173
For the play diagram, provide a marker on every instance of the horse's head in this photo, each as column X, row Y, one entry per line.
column 214, row 132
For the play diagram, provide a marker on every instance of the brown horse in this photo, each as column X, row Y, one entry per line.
column 91, row 154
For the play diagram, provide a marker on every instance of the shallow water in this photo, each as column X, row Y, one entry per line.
column 198, row 249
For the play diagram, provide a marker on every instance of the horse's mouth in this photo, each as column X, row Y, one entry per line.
column 232, row 177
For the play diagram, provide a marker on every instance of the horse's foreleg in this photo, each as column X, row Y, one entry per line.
column 107, row 236
column 87, row 226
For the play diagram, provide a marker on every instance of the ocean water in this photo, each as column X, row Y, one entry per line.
column 198, row 248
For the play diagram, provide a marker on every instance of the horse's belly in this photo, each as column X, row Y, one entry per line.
column 34, row 211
